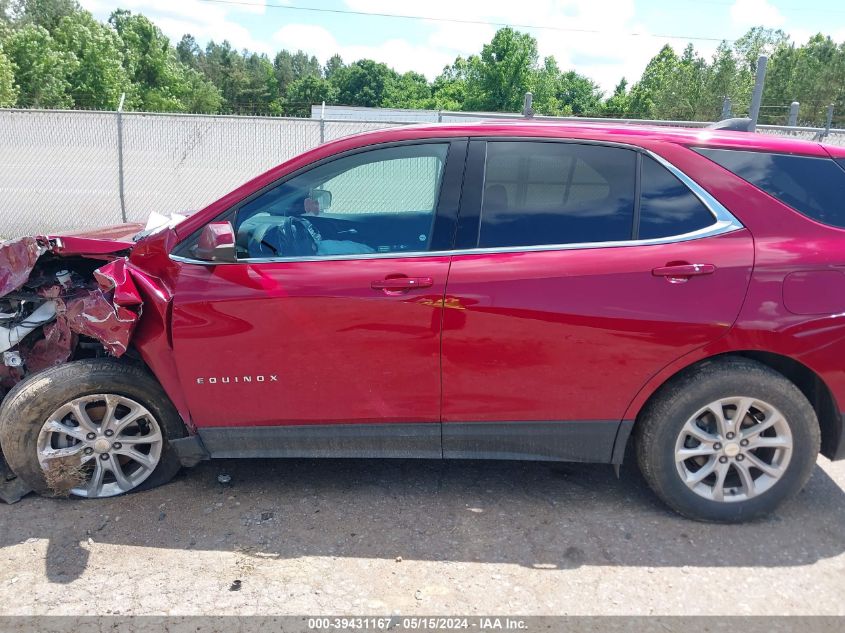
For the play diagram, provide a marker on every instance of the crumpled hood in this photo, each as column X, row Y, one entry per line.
column 107, row 310
column 101, row 241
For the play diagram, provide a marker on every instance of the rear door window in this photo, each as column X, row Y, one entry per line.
column 810, row 185
column 542, row 193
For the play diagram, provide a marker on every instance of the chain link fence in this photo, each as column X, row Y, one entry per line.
column 62, row 170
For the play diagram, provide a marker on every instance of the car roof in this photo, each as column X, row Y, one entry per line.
column 635, row 134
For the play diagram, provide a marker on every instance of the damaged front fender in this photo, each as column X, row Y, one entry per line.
column 109, row 312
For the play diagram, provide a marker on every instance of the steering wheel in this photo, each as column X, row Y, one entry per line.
column 298, row 239
column 293, row 237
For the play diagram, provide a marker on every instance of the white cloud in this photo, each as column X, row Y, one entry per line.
column 593, row 38
column 397, row 53
column 205, row 21
column 747, row 13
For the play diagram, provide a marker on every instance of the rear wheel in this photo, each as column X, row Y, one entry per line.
column 92, row 428
column 728, row 441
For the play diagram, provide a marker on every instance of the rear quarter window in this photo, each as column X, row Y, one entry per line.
column 667, row 206
column 812, row 186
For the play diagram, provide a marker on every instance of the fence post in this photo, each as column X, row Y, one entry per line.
column 793, row 114
column 120, row 185
column 829, row 120
column 726, row 108
column 527, row 110
column 323, row 124
column 757, row 95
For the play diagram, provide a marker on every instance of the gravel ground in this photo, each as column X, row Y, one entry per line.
column 416, row 537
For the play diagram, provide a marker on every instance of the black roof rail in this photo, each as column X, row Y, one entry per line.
column 736, row 125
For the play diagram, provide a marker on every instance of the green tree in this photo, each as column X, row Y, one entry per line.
column 42, row 70
column 500, row 77
column 812, row 74
column 305, row 92
column 544, row 89
column 247, row 81
column 449, row 90
column 289, row 67
column 363, row 83
column 580, row 94
column 159, row 82
column 619, row 103
column 188, row 52
column 758, row 41
column 410, row 90
column 5, row 19
column 747, row 49
column 8, row 89
column 45, row 13
column 198, row 94
column 725, row 80
column 334, row 64
column 98, row 78
column 654, row 80
column 261, row 87
column 305, row 65
column 683, row 94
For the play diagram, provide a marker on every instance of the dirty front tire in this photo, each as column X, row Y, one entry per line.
column 727, row 441
column 96, row 410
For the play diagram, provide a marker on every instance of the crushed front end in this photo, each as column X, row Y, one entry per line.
column 59, row 304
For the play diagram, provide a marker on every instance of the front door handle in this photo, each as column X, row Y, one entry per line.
column 682, row 272
column 398, row 285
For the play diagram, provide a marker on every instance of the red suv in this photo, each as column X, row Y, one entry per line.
column 486, row 291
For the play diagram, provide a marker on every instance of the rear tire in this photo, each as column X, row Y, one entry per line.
column 710, row 466
column 91, row 428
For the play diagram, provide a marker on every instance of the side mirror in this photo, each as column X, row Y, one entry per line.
column 216, row 243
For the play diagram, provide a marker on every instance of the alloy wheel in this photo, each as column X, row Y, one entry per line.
column 104, row 444
column 733, row 449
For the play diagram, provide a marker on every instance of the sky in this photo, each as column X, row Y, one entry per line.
column 603, row 39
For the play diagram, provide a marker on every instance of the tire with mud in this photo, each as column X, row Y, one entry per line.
column 90, row 428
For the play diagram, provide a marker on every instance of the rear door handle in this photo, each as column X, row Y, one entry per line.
column 682, row 272
column 401, row 284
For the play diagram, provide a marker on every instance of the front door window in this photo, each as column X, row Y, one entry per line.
column 380, row 201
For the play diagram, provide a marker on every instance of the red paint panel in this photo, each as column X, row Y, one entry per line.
column 575, row 334
column 309, row 342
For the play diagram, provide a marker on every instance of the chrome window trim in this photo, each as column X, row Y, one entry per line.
column 725, row 222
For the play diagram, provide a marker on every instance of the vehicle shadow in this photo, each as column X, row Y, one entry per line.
column 540, row 515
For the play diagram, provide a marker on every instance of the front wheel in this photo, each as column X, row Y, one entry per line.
column 728, row 441
column 92, row 428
